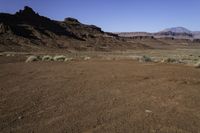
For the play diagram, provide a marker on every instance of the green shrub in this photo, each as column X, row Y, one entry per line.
column 32, row 58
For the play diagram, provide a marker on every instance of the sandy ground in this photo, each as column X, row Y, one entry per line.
column 99, row 96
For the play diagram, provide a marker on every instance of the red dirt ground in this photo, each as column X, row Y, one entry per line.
column 99, row 96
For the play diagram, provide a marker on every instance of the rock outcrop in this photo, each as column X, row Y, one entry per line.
column 30, row 31
column 4, row 28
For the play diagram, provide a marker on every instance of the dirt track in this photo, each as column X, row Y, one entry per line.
column 99, row 96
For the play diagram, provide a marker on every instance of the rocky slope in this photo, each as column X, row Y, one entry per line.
column 26, row 30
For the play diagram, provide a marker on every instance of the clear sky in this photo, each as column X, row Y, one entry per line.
column 117, row 15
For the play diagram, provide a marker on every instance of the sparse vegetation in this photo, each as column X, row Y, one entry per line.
column 145, row 59
column 47, row 58
column 59, row 58
column 197, row 65
column 68, row 59
column 32, row 58
column 87, row 58
column 156, row 56
column 168, row 60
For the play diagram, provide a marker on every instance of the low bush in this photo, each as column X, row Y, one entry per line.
column 59, row 58
column 168, row 60
column 87, row 58
column 47, row 58
column 197, row 65
column 68, row 59
column 32, row 58
column 145, row 59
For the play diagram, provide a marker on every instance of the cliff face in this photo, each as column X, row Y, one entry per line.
column 26, row 30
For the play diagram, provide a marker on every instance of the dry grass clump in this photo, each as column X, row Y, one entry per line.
column 32, row 58
column 197, row 65
column 87, row 58
column 47, row 58
column 145, row 59
column 168, row 60
column 59, row 58
column 68, row 59
column 171, row 60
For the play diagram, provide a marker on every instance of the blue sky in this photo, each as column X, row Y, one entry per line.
column 117, row 15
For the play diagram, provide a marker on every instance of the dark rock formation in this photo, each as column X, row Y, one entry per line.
column 71, row 20
column 4, row 28
column 27, row 12
column 28, row 31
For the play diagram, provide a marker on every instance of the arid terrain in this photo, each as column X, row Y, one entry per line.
column 99, row 95
column 28, row 31
column 70, row 77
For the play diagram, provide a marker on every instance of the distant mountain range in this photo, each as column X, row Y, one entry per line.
column 175, row 32
column 27, row 30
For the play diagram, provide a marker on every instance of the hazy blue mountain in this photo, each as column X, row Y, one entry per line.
column 196, row 34
column 174, row 32
column 177, row 30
